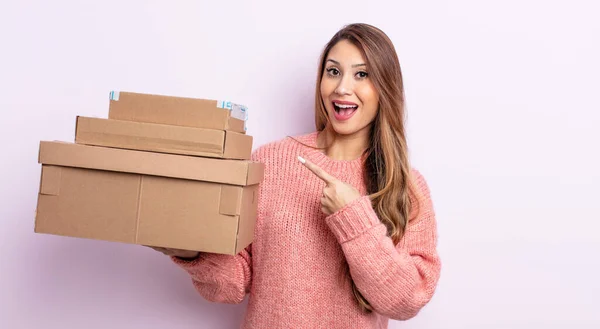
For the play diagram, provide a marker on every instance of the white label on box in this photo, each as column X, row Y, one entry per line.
column 114, row 95
column 237, row 111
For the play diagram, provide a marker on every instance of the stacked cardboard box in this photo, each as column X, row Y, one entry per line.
column 160, row 171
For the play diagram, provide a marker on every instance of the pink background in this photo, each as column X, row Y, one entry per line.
column 503, row 117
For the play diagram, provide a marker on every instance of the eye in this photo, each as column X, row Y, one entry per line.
column 333, row 71
column 362, row 74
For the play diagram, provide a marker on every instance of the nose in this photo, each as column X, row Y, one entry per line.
column 344, row 87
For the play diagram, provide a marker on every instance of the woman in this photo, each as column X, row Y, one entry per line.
column 346, row 232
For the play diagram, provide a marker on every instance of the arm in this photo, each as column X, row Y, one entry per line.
column 396, row 280
column 220, row 278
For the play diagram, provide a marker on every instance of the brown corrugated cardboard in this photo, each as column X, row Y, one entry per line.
column 146, row 210
column 235, row 172
column 163, row 138
column 172, row 110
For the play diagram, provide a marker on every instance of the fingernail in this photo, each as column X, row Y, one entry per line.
column 301, row 159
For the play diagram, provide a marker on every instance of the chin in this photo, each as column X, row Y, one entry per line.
column 344, row 129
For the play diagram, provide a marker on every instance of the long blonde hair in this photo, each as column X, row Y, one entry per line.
column 387, row 170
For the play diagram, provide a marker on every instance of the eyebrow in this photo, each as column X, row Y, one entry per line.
column 338, row 63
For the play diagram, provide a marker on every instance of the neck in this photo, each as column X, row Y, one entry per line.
column 343, row 147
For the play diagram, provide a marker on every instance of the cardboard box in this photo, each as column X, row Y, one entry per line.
column 147, row 198
column 172, row 110
column 163, row 138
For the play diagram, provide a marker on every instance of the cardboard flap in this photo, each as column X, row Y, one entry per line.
column 51, row 176
column 249, row 204
column 92, row 204
column 184, row 214
column 231, row 200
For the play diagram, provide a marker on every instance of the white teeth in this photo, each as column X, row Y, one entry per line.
column 343, row 106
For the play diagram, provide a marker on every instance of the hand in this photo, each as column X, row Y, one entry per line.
column 336, row 193
column 187, row 254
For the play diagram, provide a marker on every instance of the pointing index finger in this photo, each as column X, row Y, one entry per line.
column 322, row 174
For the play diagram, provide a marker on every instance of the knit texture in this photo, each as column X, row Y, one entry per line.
column 294, row 271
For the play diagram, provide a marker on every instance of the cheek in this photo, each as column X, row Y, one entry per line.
column 369, row 98
column 326, row 89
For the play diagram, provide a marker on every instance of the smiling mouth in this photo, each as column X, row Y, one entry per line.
column 345, row 110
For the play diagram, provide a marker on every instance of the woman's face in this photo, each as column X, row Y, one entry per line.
column 349, row 95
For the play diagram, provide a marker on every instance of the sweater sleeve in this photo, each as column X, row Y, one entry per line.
column 220, row 278
column 225, row 278
column 398, row 281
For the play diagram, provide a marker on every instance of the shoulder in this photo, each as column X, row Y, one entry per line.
column 419, row 182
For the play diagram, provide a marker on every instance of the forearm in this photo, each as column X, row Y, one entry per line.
column 395, row 283
column 219, row 278
column 396, row 280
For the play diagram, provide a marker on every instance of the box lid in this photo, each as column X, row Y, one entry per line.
column 173, row 110
column 235, row 172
